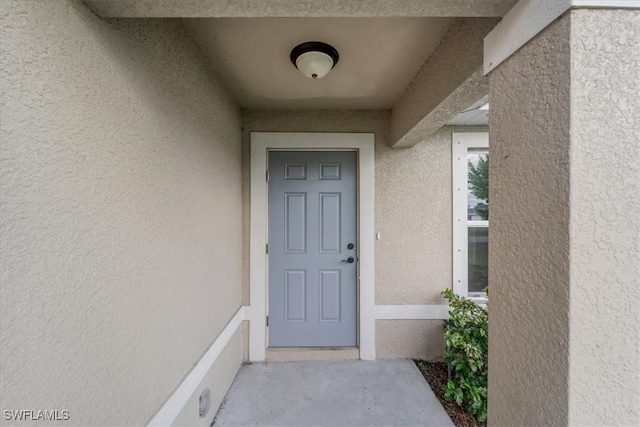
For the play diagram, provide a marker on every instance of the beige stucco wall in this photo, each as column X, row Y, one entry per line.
column 415, row 339
column 529, row 234
column 120, row 211
column 564, row 236
column 413, row 211
column 413, row 258
column 604, row 369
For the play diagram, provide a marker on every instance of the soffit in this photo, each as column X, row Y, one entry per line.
column 378, row 58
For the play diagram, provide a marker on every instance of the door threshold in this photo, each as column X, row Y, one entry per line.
column 312, row 354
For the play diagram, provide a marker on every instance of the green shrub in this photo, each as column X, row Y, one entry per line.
column 466, row 337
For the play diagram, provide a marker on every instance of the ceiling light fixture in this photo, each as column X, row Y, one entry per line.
column 314, row 59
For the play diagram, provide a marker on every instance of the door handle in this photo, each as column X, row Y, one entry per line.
column 350, row 260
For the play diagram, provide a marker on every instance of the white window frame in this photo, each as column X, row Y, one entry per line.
column 462, row 143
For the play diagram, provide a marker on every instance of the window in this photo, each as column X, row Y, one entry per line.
column 470, row 214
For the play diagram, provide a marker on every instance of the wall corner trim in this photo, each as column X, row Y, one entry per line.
column 528, row 18
column 169, row 412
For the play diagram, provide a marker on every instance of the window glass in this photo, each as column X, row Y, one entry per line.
column 470, row 186
column 478, row 259
column 478, row 188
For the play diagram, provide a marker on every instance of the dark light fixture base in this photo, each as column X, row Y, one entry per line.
column 314, row 47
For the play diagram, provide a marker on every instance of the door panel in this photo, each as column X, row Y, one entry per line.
column 295, row 295
column 295, row 219
column 312, row 220
column 330, row 219
column 330, row 293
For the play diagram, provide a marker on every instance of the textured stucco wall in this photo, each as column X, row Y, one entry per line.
column 604, row 367
column 529, row 233
column 120, row 211
column 413, row 212
column 413, row 261
column 415, row 339
column 564, row 236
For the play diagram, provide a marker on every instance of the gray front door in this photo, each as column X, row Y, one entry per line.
column 312, row 253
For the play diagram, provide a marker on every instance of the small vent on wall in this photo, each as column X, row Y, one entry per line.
column 204, row 402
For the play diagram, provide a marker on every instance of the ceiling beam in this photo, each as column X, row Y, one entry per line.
column 450, row 81
column 297, row 8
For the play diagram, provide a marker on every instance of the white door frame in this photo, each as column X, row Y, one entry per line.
column 261, row 143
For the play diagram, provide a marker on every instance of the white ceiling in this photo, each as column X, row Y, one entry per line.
column 378, row 58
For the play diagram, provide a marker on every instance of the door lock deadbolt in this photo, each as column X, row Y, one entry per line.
column 351, row 246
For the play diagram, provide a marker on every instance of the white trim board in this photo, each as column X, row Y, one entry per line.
column 261, row 143
column 169, row 412
column 528, row 18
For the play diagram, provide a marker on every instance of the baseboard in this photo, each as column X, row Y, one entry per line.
column 170, row 411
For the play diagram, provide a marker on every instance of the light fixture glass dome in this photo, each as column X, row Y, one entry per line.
column 314, row 59
column 314, row 65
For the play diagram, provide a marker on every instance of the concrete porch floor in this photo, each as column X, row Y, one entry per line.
column 350, row 393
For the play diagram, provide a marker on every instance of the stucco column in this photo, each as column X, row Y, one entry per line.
column 565, row 225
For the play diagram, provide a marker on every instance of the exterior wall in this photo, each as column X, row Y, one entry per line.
column 605, row 226
column 564, row 237
column 414, row 217
column 415, row 339
column 412, row 212
column 120, row 231
column 218, row 380
column 529, row 233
